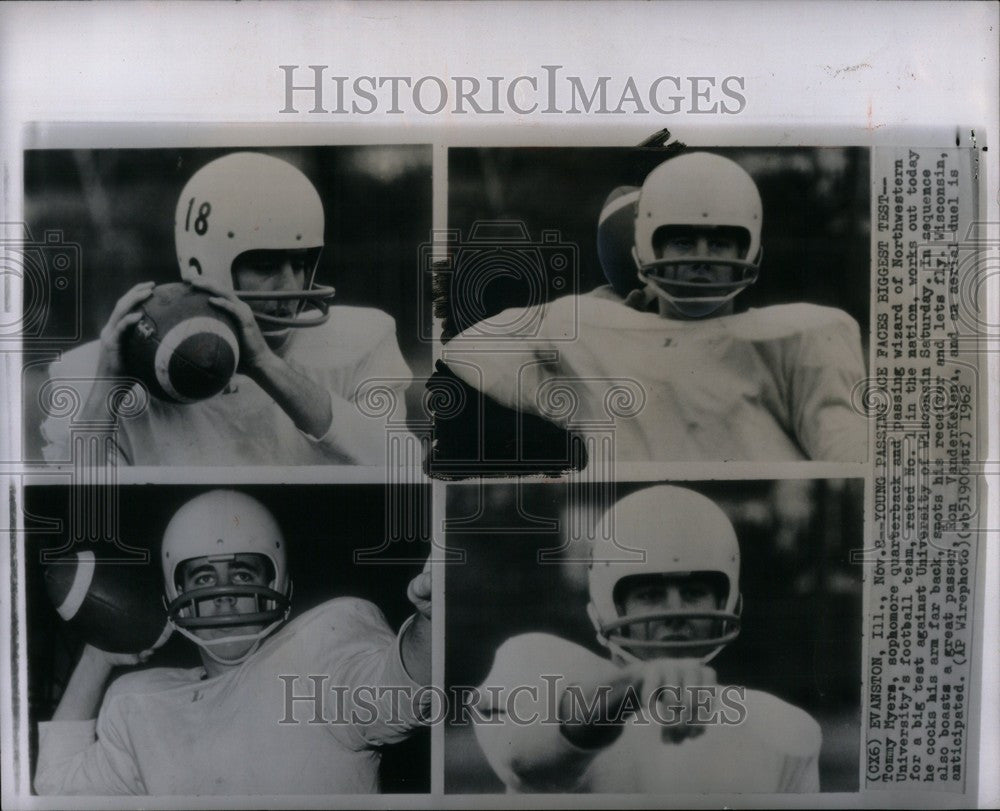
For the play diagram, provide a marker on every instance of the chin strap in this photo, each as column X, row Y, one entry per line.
column 274, row 617
column 207, row 644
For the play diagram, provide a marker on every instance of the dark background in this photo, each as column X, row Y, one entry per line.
column 801, row 631
column 816, row 213
column 324, row 526
column 118, row 206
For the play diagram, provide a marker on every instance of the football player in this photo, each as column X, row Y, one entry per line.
column 249, row 229
column 765, row 384
column 651, row 718
column 229, row 726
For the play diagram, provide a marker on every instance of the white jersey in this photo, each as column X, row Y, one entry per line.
column 775, row 749
column 168, row 731
column 772, row 384
column 243, row 425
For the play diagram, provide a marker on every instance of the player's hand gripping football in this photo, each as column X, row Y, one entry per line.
column 123, row 316
column 684, row 693
column 254, row 351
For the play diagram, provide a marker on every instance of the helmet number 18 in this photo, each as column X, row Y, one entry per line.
column 201, row 221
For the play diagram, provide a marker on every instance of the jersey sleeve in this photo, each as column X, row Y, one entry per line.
column 826, row 367
column 364, row 342
column 87, row 757
column 386, row 362
column 517, row 728
column 510, row 371
column 361, row 655
column 73, row 375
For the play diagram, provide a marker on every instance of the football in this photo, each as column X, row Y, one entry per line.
column 116, row 607
column 615, row 237
column 183, row 349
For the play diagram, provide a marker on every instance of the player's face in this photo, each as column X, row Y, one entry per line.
column 701, row 245
column 267, row 271
column 657, row 594
column 682, row 242
column 235, row 570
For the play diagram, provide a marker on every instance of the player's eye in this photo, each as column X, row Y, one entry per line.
column 252, row 576
column 203, row 580
column 696, row 591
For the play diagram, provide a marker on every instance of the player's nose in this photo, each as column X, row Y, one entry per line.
column 288, row 278
column 673, row 599
column 701, row 253
column 225, row 600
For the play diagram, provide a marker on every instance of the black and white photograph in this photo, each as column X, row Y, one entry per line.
column 241, row 302
column 248, row 641
column 693, row 638
column 702, row 304
column 499, row 405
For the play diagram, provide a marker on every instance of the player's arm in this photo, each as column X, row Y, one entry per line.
column 364, row 659
column 109, row 371
column 827, row 366
column 382, row 369
column 323, row 415
column 593, row 711
column 512, row 378
column 589, row 698
column 415, row 643
column 352, row 432
column 522, row 689
column 85, row 690
column 307, row 403
column 77, row 756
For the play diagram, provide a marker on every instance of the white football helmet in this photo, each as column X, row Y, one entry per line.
column 248, row 201
column 697, row 189
column 219, row 525
column 680, row 532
